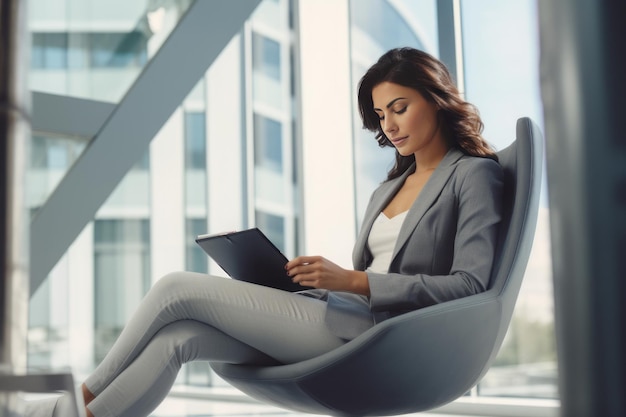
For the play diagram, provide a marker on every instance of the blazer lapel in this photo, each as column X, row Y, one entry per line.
column 427, row 196
column 382, row 197
column 388, row 190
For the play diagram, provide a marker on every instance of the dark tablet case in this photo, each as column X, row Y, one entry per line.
column 248, row 255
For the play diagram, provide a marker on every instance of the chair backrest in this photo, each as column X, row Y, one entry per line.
column 522, row 165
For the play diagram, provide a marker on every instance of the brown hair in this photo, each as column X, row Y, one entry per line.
column 461, row 122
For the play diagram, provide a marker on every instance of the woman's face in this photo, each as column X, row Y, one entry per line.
column 408, row 120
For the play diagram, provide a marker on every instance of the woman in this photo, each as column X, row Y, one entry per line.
column 428, row 236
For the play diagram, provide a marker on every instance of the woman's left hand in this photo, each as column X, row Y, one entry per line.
column 319, row 272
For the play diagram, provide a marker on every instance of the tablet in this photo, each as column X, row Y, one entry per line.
column 248, row 255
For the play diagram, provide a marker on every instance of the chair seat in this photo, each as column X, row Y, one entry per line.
column 391, row 384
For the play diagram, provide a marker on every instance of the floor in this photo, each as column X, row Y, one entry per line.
column 187, row 404
column 190, row 404
column 176, row 407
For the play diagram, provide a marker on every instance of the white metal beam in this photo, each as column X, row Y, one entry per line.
column 185, row 56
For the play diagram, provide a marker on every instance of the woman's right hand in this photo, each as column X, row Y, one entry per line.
column 319, row 272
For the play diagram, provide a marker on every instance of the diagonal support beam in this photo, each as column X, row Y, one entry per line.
column 195, row 43
column 58, row 114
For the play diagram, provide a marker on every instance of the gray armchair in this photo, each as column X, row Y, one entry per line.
column 428, row 357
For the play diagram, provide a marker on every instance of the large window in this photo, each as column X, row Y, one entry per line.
column 499, row 57
column 414, row 24
column 236, row 139
column 502, row 78
column 122, row 276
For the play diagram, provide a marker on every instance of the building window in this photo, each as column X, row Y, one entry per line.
column 49, row 50
column 54, row 153
column 195, row 140
column 266, row 56
column 63, row 50
column 195, row 163
column 274, row 228
column 196, row 260
column 121, row 274
column 117, row 50
column 268, row 143
column 267, row 83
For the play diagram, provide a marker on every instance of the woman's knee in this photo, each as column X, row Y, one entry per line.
column 170, row 280
column 185, row 284
column 180, row 341
column 173, row 282
column 167, row 291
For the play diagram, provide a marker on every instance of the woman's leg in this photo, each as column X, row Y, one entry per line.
column 282, row 325
column 142, row 386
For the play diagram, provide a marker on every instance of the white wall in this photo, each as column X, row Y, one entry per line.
column 326, row 128
column 167, row 198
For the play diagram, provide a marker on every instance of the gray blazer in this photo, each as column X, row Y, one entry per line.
column 444, row 251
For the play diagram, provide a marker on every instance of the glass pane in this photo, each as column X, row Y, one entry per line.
column 268, row 143
column 266, row 56
column 268, row 159
column 266, row 70
column 115, row 50
column 49, row 321
column 96, row 48
column 195, row 140
column 195, row 162
column 414, row 24
column 196, row 258
column 270, row 40
column 49, row 50
column 113, row 257
column 50, row 158
column 502, row 79
column 196, row 374
column 122, row 276
column 274, row 228
column 270, row 13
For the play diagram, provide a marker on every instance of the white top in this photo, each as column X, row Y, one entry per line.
column 382, row 240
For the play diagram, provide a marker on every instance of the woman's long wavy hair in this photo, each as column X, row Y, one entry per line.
column 460, row 121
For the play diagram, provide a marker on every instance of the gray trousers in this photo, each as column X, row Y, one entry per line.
column 189, row 316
